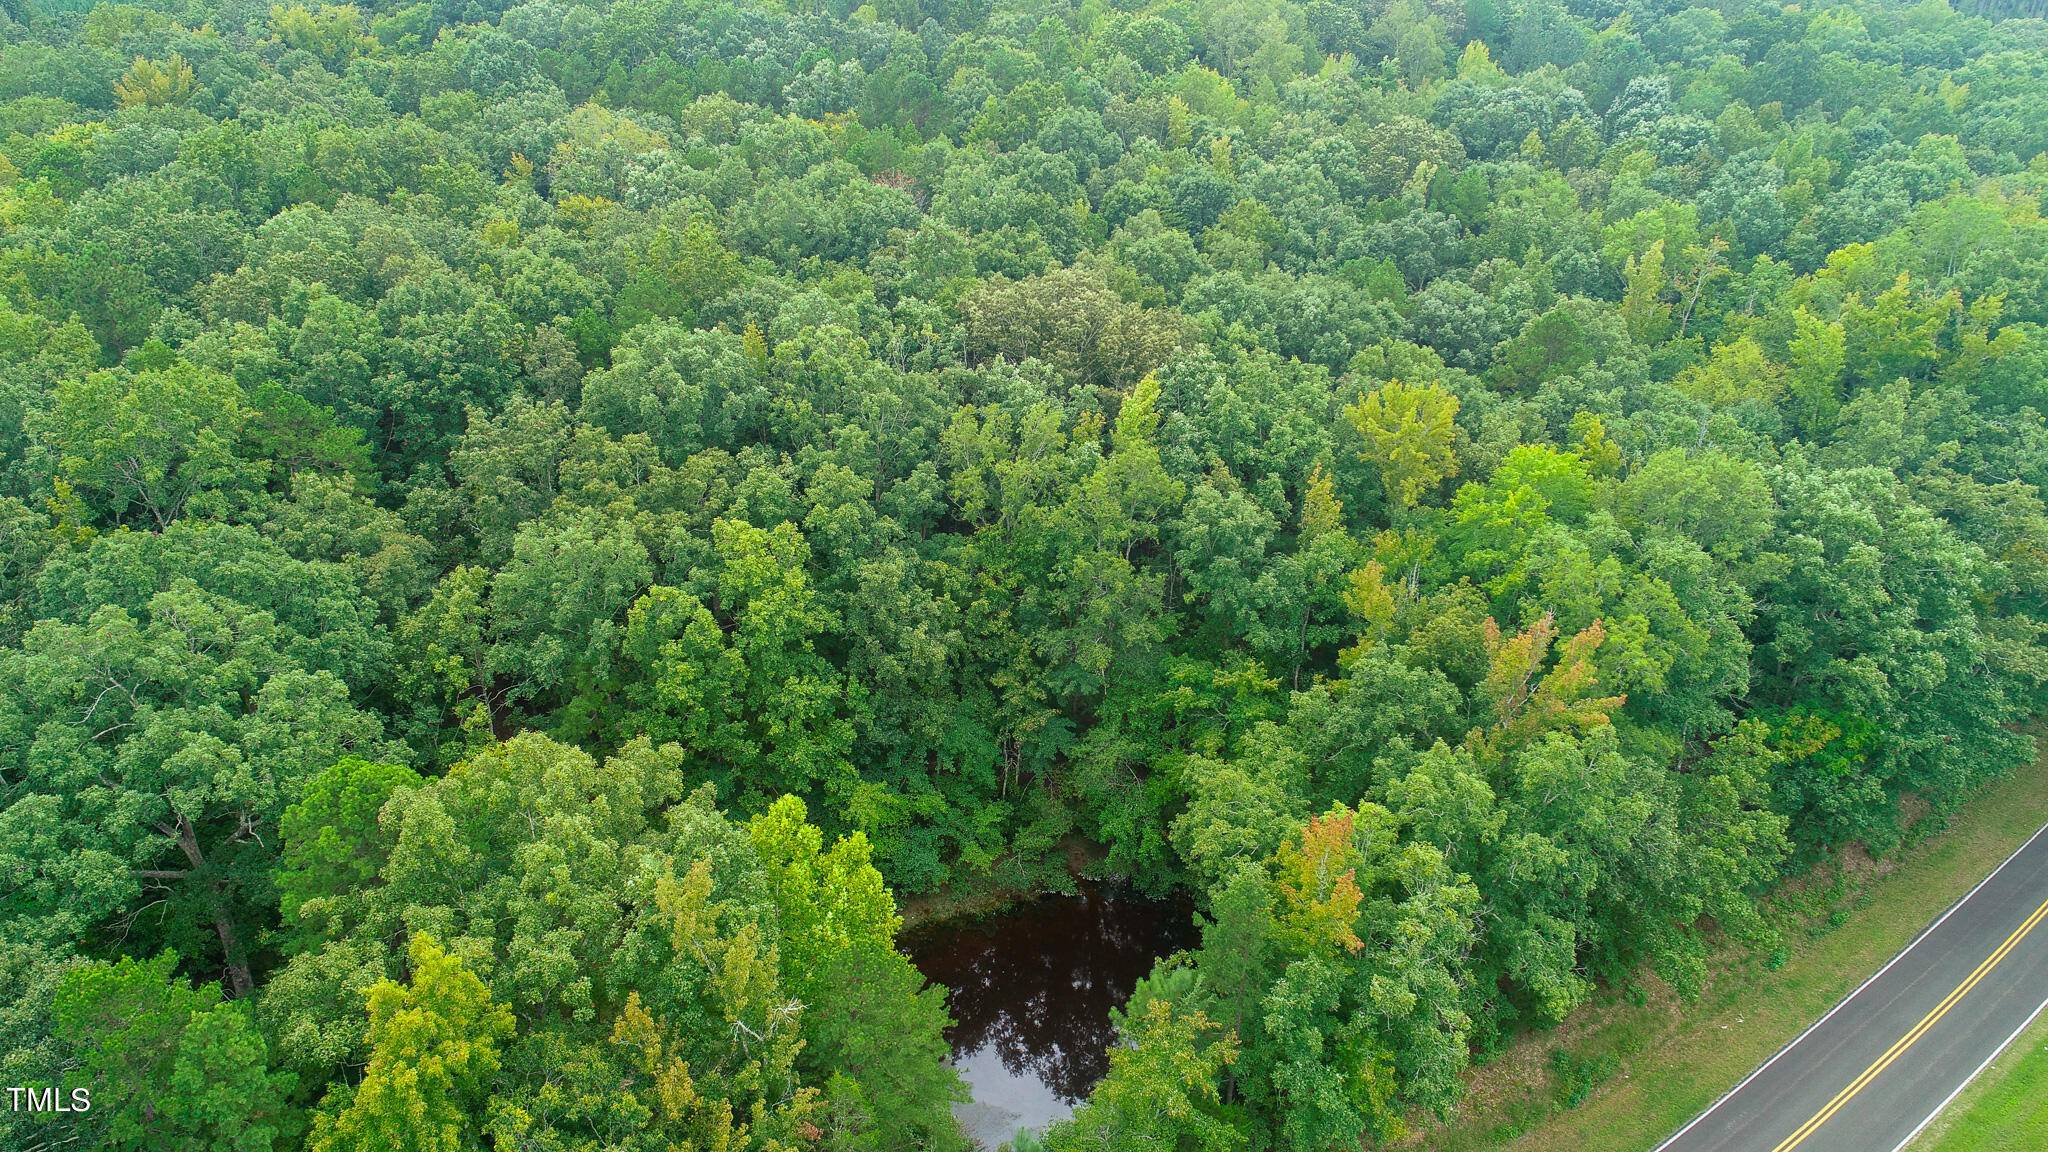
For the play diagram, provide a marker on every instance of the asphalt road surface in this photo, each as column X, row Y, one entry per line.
column 1875, row 1070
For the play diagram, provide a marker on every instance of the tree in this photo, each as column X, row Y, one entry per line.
column 434, row 1049
column 1408, row 431
column 557, row 603
column 149, row 446
column 1237, row 812
column 1363, row 1018
column 1524, row 706
column 332, row 846
column 1073, row 322
column 158, row 728
column 170, row 1066
column 686, row 390
column 682, row 274
column 1818, row 351
column 153, row 84
column 748, row 693
column 665, row 974
column 332, row 32
column 875, row 1029
column 1564, row 339
column 1162, row 1087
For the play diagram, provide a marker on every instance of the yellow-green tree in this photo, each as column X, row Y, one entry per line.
column 149, row 84
column 433, row 1051
column 333, row 32
column 1408, row 431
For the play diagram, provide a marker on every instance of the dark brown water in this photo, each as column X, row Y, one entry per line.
column 1032, row 988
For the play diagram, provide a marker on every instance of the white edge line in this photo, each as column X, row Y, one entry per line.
column 1967, row 1080
column 1928, row 931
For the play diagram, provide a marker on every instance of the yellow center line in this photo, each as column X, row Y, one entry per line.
column 1909, row 1039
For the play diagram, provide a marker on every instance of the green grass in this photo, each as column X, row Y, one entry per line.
column 1631, row 1067
column 2006, row 1109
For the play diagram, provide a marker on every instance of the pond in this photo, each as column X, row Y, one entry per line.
column 1032, row 988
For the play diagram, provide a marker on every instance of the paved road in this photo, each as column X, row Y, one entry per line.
column 1872, row 1072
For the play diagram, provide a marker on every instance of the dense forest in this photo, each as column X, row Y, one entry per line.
column 526, row 528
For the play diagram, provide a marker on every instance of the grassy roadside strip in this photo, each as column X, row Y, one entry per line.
column 2005, row 1109
column 1632, row 1066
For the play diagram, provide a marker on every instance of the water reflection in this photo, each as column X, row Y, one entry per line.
column 1032, row 988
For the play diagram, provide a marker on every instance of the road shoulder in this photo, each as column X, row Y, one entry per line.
column 2005, row 1109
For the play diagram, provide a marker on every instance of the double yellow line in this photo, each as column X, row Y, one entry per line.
column 1911, row 1038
